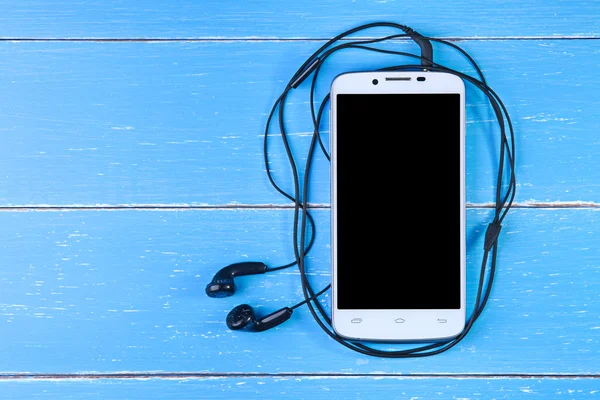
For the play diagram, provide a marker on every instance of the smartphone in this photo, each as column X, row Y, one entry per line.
column 397, row 142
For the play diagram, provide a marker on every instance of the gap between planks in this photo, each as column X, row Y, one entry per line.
column 274, row 39
column 191, row 207
column 208, row 375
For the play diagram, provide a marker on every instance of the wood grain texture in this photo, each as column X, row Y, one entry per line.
column 182, row 123
column 145, row 123
column 304, row 388
column 309, row 19
column 112, row 291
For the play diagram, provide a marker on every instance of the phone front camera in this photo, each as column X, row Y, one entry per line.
column 375, row 81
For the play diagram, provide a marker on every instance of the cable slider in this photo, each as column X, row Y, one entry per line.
column 491, row 235
column 305, row 73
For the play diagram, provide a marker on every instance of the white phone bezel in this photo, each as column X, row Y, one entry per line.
column 397, row 325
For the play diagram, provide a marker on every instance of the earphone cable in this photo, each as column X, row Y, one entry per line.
column 502, row 204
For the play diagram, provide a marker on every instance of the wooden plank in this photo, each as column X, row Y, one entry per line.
column 313, row 19
column 112, row 291
column 319, row 387
column 177, row 123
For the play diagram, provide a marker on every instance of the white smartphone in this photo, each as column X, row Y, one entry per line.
column 397, row 142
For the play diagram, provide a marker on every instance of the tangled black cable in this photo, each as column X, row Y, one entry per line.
column 503, row 202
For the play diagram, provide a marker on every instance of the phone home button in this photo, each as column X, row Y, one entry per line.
column 356, row 320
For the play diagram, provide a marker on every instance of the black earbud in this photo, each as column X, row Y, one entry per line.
column 243, row 316
column 223, row 285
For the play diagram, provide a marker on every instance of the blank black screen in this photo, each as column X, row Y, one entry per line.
column 398, row 201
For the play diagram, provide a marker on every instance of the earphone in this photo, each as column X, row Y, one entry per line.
column 223, row 285
column 243, row 316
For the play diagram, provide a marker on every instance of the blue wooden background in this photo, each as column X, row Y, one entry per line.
column 131, row 171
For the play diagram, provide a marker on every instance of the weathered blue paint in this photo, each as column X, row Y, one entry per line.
column 180, row 123
column 126, row 124
column 291, row 19
column 325, row 388
column 115, row 291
